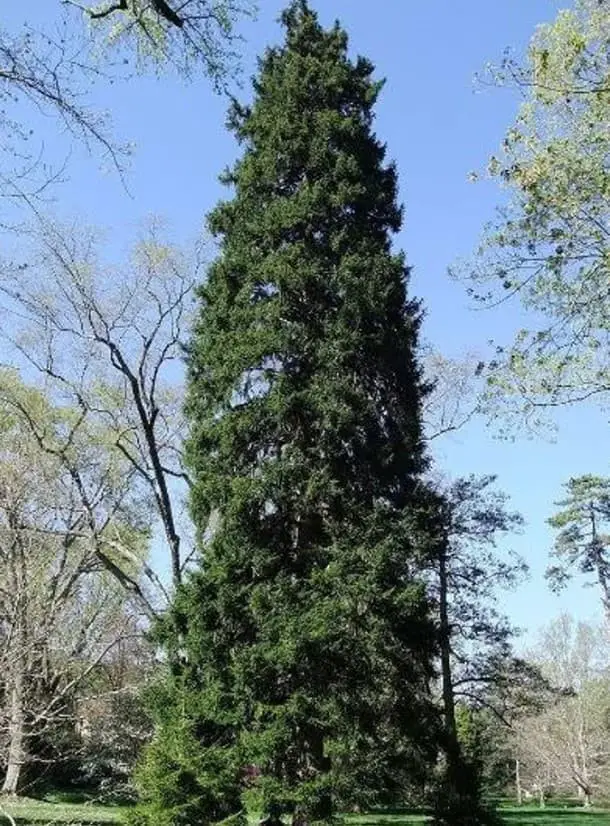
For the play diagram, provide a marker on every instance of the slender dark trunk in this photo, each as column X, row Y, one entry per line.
column 452, row 747
column 452, row 744
column 159, row 480
column 445, row 646
column 601, row 564
column 459, row 799
column 323, row 810
column 318, row 764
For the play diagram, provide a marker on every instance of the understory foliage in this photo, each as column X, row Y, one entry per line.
column 301, row 648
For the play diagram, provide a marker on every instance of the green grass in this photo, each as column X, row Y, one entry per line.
column 26, row 810
column 388, row 819
column 44, row 813
column 554, row 816
column 512, row 816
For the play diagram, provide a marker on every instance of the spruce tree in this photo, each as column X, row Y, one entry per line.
column 303, row 644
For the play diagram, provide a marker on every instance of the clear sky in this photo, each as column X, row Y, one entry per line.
column 437, row 129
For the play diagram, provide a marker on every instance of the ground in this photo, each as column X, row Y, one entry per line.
column 45, row 813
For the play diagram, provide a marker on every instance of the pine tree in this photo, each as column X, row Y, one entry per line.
column 305, row 638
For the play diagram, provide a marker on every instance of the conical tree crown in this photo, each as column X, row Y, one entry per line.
column 305, row 632
column 304, row 350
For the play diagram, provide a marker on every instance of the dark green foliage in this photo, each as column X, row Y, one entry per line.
column 475, row 650
column 458, row 800
column 486, row 745
column 455, row 792
column 583, row 541
column 476, row 517
column 305, row 637
column 181, row 783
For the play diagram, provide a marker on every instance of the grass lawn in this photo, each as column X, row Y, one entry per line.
column 512, row 816
column 386, row 819
column 526, row 816
column 43, row 812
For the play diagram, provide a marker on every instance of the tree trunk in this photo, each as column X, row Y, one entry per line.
column 445, row 644
column 518, row 782
column 585, row 794
column 322, row 809
column 460, row 778
column 16, row 746
column 452, row 749
column 541, row 800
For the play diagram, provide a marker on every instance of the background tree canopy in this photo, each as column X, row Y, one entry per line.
column 550, row 247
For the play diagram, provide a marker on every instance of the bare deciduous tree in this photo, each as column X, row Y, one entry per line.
column 567, row 743
column 196, row 34
column 106, row 342
column 60, row 612
column 455, row 393
column 48, row 66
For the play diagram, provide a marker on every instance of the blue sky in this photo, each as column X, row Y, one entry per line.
column 437, row 128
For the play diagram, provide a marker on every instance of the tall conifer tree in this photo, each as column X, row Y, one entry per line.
column 305, row 639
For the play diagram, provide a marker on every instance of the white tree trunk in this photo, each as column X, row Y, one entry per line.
column 16, row 732
column 518, row 781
